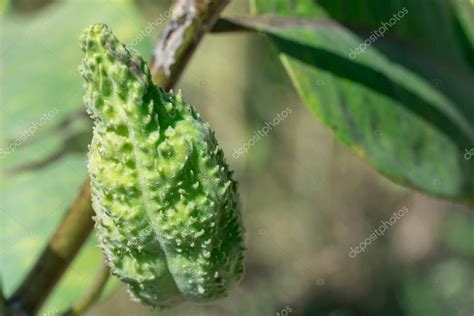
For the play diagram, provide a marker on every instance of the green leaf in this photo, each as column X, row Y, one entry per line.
column 404, row 103
column 42, row 173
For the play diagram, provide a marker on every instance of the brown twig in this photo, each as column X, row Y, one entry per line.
column 92, row 294
column 188, row 23
column 70, row 235
column 2, row 298
column 190, row 20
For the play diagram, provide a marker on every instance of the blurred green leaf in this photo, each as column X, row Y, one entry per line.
column 444, row 288
column 419, row 297
column 405, row 102
column 459, row 234
column 42, row 170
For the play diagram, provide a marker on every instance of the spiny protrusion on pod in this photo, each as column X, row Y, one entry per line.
column 167, row 208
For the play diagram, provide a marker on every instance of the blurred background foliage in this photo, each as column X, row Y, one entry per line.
column 306, row 198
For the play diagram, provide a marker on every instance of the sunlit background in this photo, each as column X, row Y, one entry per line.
column 306, row 198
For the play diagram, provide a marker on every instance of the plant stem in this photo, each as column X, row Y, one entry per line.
column 92, row 294
column 226, row 25
column 188, row 23
column 2, row 298
column 70, row 235
column 190, row 20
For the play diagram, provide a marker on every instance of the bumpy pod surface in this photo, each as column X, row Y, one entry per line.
column 167, row 209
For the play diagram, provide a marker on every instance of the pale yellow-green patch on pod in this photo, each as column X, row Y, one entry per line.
column 167, row 209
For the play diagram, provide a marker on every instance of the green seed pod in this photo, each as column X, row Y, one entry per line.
column 167, row 209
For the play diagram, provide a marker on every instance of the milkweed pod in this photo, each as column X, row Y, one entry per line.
column 167, row 209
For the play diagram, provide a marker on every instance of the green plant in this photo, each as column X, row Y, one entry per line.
column 154, row 163
column 404, row 104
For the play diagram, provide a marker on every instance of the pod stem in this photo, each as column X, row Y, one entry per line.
column 92, row 294
column 189, row 21
column 61, row 249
